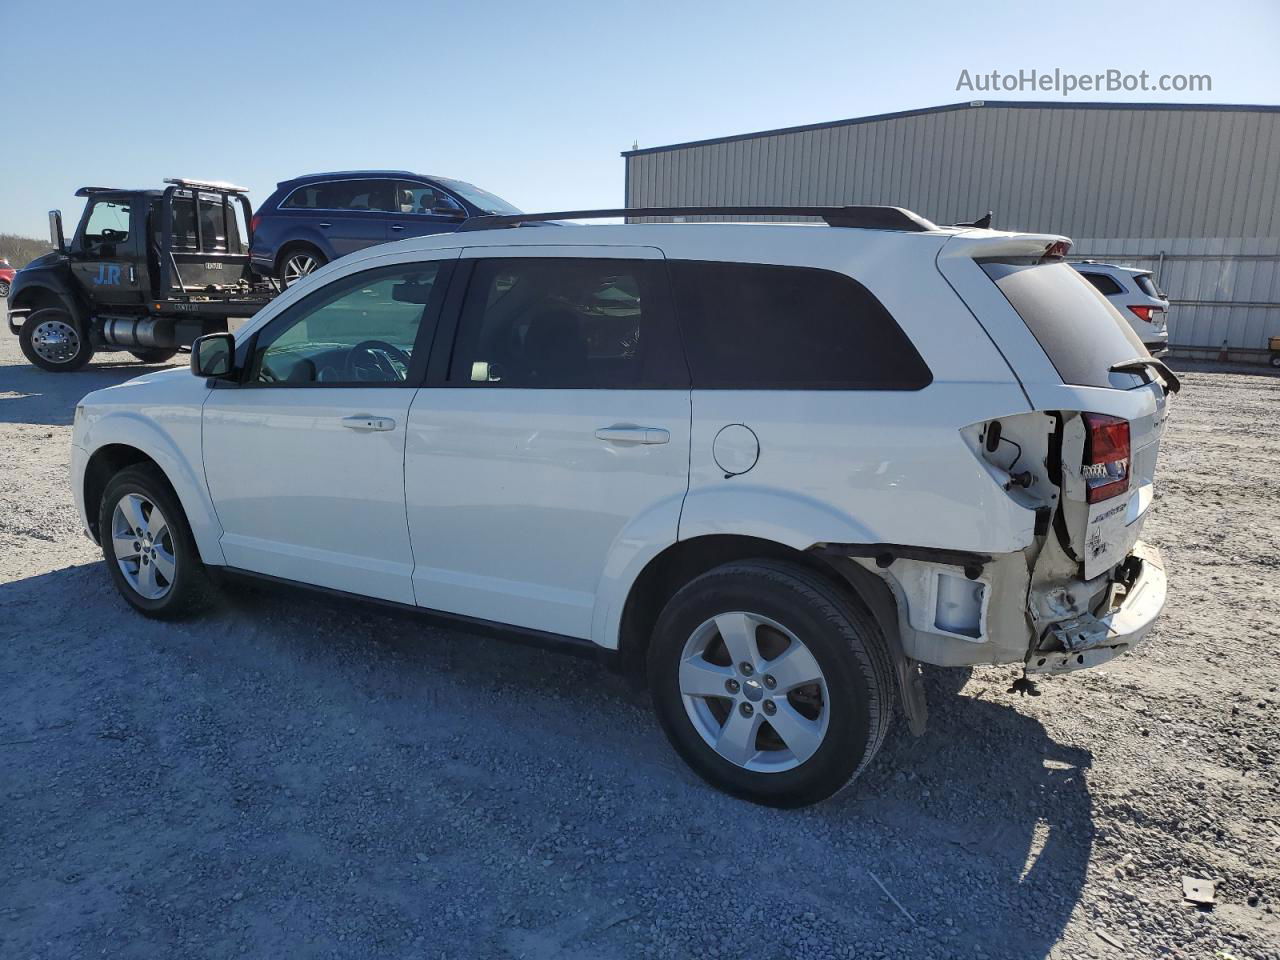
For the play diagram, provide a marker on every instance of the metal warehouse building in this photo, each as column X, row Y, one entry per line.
column 1190, row 191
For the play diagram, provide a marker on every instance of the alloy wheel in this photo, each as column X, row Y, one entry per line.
column 754, row 692
column 298, row 266
column 143, row 546
column 55, row 341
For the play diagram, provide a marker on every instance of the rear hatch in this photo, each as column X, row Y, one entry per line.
column 1080, row 362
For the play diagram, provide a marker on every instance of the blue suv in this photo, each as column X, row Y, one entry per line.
column 313, row 219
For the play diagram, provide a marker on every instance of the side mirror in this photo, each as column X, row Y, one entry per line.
column 444, row 210
column 213, row 355
column 55, row 231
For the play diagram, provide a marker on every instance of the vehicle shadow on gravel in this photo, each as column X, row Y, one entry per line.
column 486, row 792
column 50, row 399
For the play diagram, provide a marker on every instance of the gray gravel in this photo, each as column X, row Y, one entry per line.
column 294, row 778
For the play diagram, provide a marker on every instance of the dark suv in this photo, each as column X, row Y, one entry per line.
column 319, row 217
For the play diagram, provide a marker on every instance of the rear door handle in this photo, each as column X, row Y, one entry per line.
column 365, row 422
column 629, row 434
column 397, row 226
column 325, row 225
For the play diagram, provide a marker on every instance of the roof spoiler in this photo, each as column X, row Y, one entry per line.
column 865, row 217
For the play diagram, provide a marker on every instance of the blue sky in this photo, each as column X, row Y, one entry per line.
column 532, row 100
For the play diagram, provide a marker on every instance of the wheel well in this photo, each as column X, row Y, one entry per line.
column 38, row 298
column 105, row 463
column 293, row 245
column 680, row 563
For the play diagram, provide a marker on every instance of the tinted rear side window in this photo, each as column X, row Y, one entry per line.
column 757, row 327
column 1147, row 284
column 1080, row 331
column 1104, row 284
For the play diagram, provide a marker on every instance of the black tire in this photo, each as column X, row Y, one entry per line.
column 297, row 251
column 841, row 635
column 36, row 347
column 191, row 588
column 1275, row 359
column 155, row 355
column 4, row 289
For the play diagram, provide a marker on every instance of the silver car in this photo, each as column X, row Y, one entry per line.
column 1135, row 294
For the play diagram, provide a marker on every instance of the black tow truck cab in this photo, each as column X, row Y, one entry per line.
column 147, row 271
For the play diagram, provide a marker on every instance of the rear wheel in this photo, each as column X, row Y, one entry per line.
column 298, row 263
column 155, row 355
column 148, row 546
column 771, row 682
column 1275, row 359
column 52, row 341
column 4, row 289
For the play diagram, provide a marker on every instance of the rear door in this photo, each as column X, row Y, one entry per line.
column 554, row 442
column 354, row 214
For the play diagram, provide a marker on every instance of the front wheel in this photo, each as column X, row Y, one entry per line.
column 771, row 682
column 155, row 355
column 4, row 289
column 52, row 341
column 148, row 546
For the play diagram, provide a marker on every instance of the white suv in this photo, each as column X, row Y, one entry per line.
column 1135, row 295
column 775, row 467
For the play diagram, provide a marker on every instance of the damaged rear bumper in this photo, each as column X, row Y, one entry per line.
column 1092, row 639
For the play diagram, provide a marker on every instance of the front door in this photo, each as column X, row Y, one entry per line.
column 305, row 457
column 106, row 255
column 558, row 433
column 423, row 210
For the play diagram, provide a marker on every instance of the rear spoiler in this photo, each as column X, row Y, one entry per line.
column 989, row 245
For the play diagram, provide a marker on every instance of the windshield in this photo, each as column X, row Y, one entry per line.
column 486, row 201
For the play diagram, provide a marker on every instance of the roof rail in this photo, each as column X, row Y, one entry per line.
column 90, row 191
column 206, row 185
column 868, row 218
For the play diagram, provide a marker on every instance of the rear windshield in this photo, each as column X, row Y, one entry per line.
column 1147, row 284
column 1081, row 332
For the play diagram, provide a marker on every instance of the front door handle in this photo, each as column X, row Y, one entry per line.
column 629, row 434
column 325, row 225
column 397, row 226
column 365, row 422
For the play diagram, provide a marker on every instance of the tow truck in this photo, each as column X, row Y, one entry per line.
column 147, row 272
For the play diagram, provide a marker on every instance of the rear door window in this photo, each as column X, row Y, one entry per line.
column 749, row 326
column 1080, row 331
column 354, row 195
column 1104, row 284
column 556, row 323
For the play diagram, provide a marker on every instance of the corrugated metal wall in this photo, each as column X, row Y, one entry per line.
column 1200, row 185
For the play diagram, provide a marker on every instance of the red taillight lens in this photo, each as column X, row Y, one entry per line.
column 1106, row 456
column 1142, row 313
column 253, row 223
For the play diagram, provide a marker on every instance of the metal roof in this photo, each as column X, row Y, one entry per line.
column 967, row 105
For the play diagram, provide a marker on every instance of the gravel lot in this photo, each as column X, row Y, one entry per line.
column 294, row 778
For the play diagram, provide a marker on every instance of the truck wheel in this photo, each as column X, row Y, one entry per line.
column 770, row 682
column 51, row 340
column 297, row 263
column 148, row 546
column 155, row 355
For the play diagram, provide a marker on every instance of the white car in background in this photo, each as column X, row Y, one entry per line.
column 1135, row 294
column 772, row 467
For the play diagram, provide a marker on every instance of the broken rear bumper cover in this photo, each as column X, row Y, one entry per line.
column 1092, row 639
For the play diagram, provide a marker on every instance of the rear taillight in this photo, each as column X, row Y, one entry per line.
column 253, row 223
column 1142, row 313
column 1106, row 456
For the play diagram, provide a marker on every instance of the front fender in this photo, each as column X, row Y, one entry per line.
column 174, row 457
